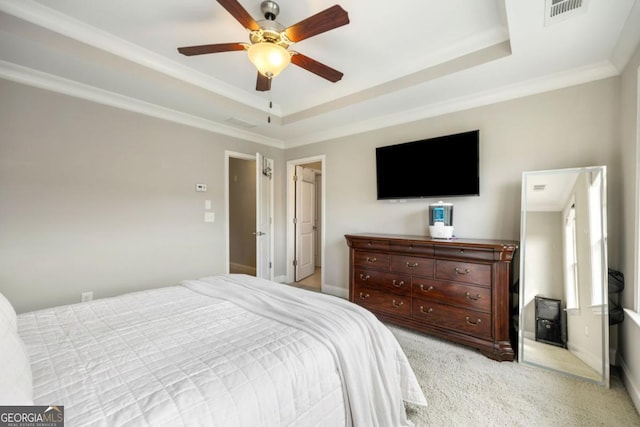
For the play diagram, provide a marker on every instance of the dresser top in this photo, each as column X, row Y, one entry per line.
column 511, row 244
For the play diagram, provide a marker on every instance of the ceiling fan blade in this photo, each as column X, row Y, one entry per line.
column 323, row 21
column 316, row 67
column 210, row 48
column 242, row 16
column 263, row 83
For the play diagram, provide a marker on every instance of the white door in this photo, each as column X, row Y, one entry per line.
column 264, row 215
column 318, row 218
column 304, row 222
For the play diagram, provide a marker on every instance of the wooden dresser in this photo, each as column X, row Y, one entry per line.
column 453, row 289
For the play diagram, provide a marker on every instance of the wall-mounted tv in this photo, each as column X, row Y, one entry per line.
column 445, row 166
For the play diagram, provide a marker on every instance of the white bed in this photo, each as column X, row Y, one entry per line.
column 228, row 350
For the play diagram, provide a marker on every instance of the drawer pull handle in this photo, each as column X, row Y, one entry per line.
column 371, row 260
column 364, row 296
column 412, row 265
column 469, row 322
column 397, row 304
column 429, row 289
column 422, row 310
column 468, row 295
column 369, row 243
column 398, row 284
column 365, row 278
column 466, row 271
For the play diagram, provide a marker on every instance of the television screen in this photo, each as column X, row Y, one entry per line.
column 444, row 166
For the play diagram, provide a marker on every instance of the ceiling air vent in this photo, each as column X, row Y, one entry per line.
column 559, row 10
column 240, row 123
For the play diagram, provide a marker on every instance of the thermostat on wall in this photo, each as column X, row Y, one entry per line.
column 201, row 187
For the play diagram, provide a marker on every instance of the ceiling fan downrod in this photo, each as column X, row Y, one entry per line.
column 270, row 10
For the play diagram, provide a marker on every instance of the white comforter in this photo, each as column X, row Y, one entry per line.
column 222, row 351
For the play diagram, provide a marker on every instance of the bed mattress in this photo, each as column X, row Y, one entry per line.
column 191, row 355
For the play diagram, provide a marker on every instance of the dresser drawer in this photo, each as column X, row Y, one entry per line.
column 466, row 321
column 383, row 301
column 412, row 248
column 449, row 288
column 412, row 265
column 466, row 272
column 464, row 296
column 371, row 260
column 470, row 254
column 392, row 282
column 370, row 244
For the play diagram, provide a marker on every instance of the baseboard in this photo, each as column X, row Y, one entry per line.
column 632, row 388
column 335, row 291
column 280, row 279
column 591, row 360
column 613, row 356
column 242, row 269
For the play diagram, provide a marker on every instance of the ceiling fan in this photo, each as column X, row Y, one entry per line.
column 270, row 41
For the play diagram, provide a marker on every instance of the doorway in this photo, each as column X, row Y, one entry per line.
column 305, row 222
column 249, row 209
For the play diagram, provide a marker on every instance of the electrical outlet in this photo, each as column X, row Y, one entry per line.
column 86, row 296
column 209, row 217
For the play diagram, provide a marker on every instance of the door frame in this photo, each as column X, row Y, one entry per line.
column 237, row 155
column 291, row 197
column 261, row 161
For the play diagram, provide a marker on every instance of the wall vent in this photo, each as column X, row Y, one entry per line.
column 559, row 10
column 539, row 187
column 240, row 123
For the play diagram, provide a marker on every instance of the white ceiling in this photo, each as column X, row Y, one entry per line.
column 402, row 61
column 549, row 191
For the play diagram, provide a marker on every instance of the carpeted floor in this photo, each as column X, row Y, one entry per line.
column 464, row 388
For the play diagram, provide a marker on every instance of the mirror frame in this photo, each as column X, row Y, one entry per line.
column 604, row 371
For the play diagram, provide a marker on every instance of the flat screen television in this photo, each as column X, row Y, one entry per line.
column 445, row 166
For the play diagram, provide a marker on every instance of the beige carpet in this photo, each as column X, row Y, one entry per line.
column 558, row 358
column 464, row 388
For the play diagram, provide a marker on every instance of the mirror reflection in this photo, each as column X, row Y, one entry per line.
column 563, row 321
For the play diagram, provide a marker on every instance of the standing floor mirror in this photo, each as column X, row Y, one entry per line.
column 563, row 320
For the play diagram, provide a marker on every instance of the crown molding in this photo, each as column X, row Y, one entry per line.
column 627, row 43
column 573, row 77
column 52, row 20
column 28, row 76
column 39, row 79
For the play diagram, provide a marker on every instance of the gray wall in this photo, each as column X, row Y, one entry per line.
column 94, row 198
column 629, row 330
column 543, row 269
column 572, row 127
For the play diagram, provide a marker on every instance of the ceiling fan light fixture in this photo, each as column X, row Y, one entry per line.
column 269, row 58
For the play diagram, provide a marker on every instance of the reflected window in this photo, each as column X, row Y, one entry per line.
column 596, row 235
column 570, row 259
